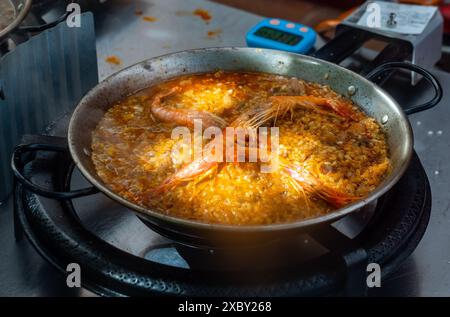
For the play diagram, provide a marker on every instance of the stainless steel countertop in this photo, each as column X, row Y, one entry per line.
column 122, row 33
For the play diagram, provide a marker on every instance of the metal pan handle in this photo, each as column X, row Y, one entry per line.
column 378, row 71
column 17, row 165
column 44, row 26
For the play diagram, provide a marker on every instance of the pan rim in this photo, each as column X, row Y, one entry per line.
column 335, row 215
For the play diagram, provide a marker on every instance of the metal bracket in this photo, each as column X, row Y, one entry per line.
column 425, row 48
column 352, row 256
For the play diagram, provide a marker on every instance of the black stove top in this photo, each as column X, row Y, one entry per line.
column 119, row 255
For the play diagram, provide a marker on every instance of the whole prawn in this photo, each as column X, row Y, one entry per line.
column 278, row 106
column 183, row 117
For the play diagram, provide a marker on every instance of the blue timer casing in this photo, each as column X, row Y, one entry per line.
column 307, row 34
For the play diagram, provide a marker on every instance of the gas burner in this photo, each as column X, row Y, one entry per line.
column 119, row 255
column 37, row 17
column 30, row 20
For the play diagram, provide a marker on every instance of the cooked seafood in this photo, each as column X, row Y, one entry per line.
column 330, row 153
column 182, row 116
column 303, row 181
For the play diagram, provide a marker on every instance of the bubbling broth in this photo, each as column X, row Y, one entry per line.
column 329, row 152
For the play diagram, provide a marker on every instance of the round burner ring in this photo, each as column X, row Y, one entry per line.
column 53, row 228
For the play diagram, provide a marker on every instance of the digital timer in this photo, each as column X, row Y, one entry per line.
column 282, row 35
